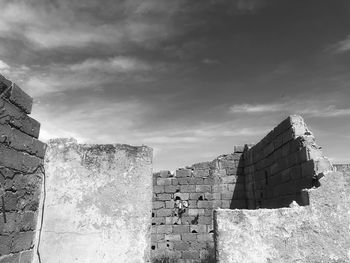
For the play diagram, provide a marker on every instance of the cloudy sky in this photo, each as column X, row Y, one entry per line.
column 188, row 78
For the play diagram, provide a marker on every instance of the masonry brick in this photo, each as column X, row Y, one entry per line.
column 13, row 116
column 163, row 197
column 183, row 173
column 163, row 181
column 190, row 254
column 181, row 229
column 158, row 189
column 22, row 241
column 15, row 95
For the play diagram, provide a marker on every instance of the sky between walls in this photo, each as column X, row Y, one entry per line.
column 188, row 78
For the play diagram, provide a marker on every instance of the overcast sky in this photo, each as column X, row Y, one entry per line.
column 189, row 78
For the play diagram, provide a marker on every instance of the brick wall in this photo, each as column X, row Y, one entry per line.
column 283, row 163
column 21, row 174
column 182, row 227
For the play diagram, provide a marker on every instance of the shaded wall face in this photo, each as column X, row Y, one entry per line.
column 182, row 224
column 97, row 204
column 283, row 163
column 21, row 173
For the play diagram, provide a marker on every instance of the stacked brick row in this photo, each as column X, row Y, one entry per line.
column 21, row 173
column 283, row 163
column 182, row 223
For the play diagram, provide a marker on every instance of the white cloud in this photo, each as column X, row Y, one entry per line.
column 343, row 45
column 307, row 108
column 46, row 25
column 4, row 66
column 255, row 108
column 115, row 64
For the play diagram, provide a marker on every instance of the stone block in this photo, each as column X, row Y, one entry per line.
column 12, row 258
column 157, row 189
column 188, row 236
column 164, row 212
column 11, row 114
column 190, row 254
column 204, row 204
column 238, row 148
column 22, row 241
column 203, row 188
column 198, row 229
column 169, row 204
column 16, row 95
column 201, row 172
column 181, row 245
column 164, row 229
column 204, row 237
column 172, row 237
column 183, row 173
column 170, row 188
column 164, row 174
column 195, row 212
column 182, row 181
column 26, row 256
column 163, row 181
column 182, row 196
column 181, row 229
column 187, row 188
column 205, row 220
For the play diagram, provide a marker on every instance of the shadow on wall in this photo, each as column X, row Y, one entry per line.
column 209, row 259
column 239, row 192
column 280, row 166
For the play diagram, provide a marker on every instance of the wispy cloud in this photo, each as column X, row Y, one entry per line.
column 343, row 45
column 73, row 24
column 115, row 64
column 307, row 108
column 255, row 108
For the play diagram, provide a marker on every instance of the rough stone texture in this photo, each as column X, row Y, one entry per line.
column 21, row 173
column 319, row 232
column 98, row 203
column 283, row 163
column 344, row 168
column 187, row 235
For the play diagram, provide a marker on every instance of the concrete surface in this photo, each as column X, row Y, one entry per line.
column 97, row 203
column 318, row 233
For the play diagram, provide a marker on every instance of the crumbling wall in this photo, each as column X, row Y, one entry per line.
column 21, row 173
column 318, row 232
column 182, row 223
column 282, row 170
column 283, row 163
column 344, row 168
column 98, row 203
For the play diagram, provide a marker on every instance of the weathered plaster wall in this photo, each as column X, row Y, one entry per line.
column 187, row 235
column 316, row 233
column 98, row 203
column 21, row 173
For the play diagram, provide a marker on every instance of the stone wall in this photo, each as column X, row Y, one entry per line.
column 287, row 169
column 182, row 224
column 21, row 174
column 318, row 232
column 283, row 163
column 98, row 203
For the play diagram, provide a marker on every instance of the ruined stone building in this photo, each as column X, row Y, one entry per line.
column 280, row 200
